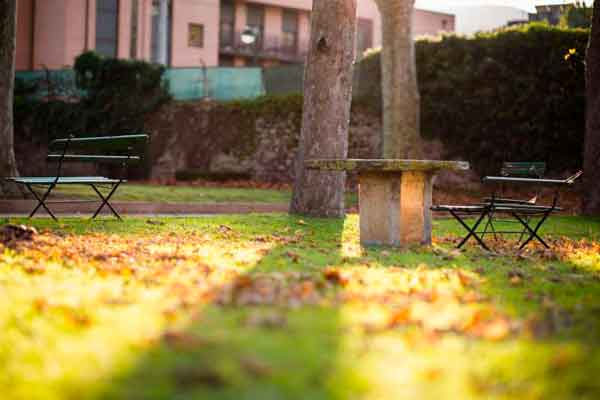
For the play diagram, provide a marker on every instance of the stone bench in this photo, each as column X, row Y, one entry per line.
column 394, row 197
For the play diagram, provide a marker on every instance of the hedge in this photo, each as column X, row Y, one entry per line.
column 109, row 96
column 512, row 95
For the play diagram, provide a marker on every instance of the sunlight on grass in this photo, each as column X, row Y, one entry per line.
column 90, row 302
column 180, row 194
column 268, row 307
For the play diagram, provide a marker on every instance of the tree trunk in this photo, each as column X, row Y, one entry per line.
column 401, row 113
column 326, row 115
column 591, row 204
column 8, row 164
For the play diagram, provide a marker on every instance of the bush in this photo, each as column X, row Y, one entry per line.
column 111, row 96
column 118, row 92
column 512, row 95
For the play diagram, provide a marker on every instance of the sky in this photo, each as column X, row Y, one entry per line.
column 528, row 5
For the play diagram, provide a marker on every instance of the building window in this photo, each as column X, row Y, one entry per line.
column 196, row 35
column 107, row 14
column 364, row 37
column 255, row 18
column 290, row 31
column 444, row 25
column 227, row 30
column 161, row 32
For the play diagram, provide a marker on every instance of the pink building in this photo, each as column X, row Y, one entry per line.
column 184, row 33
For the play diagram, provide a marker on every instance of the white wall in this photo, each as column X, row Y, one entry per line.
column 485, row 18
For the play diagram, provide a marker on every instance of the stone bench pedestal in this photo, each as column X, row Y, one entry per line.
column 394, row 197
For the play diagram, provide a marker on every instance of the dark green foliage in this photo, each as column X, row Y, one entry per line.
column 577, row 15
column 119, row 92
column 512, row 95
column 111, row 97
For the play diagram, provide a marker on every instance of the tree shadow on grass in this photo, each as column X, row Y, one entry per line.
column 265, row 335
column 276, row 330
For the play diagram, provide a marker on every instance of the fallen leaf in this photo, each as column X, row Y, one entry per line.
column 255, row 367
column 335, row 276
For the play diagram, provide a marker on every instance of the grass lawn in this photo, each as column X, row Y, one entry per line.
column 180, row 194
column 275, row 307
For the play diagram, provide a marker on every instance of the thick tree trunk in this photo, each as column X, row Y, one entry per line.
column 401, row 112
column 8, row 164
column 326, row 115
column 591, row 205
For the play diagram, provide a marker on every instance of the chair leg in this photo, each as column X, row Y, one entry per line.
column 472, row 231
column 533, row 233
column 105, row 201
column 490, row 224
column 524, row 232
column 41, row 201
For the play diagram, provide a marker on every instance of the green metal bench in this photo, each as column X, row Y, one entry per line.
column 124, row 150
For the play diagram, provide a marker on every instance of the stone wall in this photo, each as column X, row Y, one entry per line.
column 211, row 139
column 218, row 139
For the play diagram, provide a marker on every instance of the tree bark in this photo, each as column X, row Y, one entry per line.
column 401, row 102
column 326, row 114
column 591, row 205
column 8, row 164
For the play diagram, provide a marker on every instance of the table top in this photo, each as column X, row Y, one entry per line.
column 385, row 165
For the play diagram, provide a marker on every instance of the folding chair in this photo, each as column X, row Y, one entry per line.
column 534, row 170
column 522, row 213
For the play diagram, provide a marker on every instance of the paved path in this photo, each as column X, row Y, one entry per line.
column 23, row 207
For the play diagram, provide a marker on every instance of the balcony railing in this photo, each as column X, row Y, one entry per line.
column 266, row 47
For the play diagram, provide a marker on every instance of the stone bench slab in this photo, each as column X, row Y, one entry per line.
column 388, row 165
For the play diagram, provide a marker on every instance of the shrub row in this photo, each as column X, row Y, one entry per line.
column 512, row 95
column 109, row 96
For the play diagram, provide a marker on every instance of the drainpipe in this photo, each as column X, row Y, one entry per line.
column 32, row 33
column 163, row 33
column 87, row 25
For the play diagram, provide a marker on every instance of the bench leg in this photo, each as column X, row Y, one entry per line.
column 105, row 201
column 472, row 231
column 41, row 201
column 533, row 233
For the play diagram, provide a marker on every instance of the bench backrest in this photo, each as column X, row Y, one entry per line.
column 122, row 149
column 523, row 169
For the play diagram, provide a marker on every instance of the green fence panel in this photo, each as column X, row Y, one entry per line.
column 184, row 83
column 216, row 83
column 284, row 80
column 59, row 83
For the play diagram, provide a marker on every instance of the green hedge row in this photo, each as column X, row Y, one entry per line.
column 109, row 96
column 512, row 95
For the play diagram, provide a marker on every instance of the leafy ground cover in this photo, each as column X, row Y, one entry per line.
column 275, row 307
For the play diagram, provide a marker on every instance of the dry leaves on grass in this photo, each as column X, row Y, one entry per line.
column 10, row 234
column 199, row 268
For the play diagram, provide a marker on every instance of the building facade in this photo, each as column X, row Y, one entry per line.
column 550, row 13
column 184, row 33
